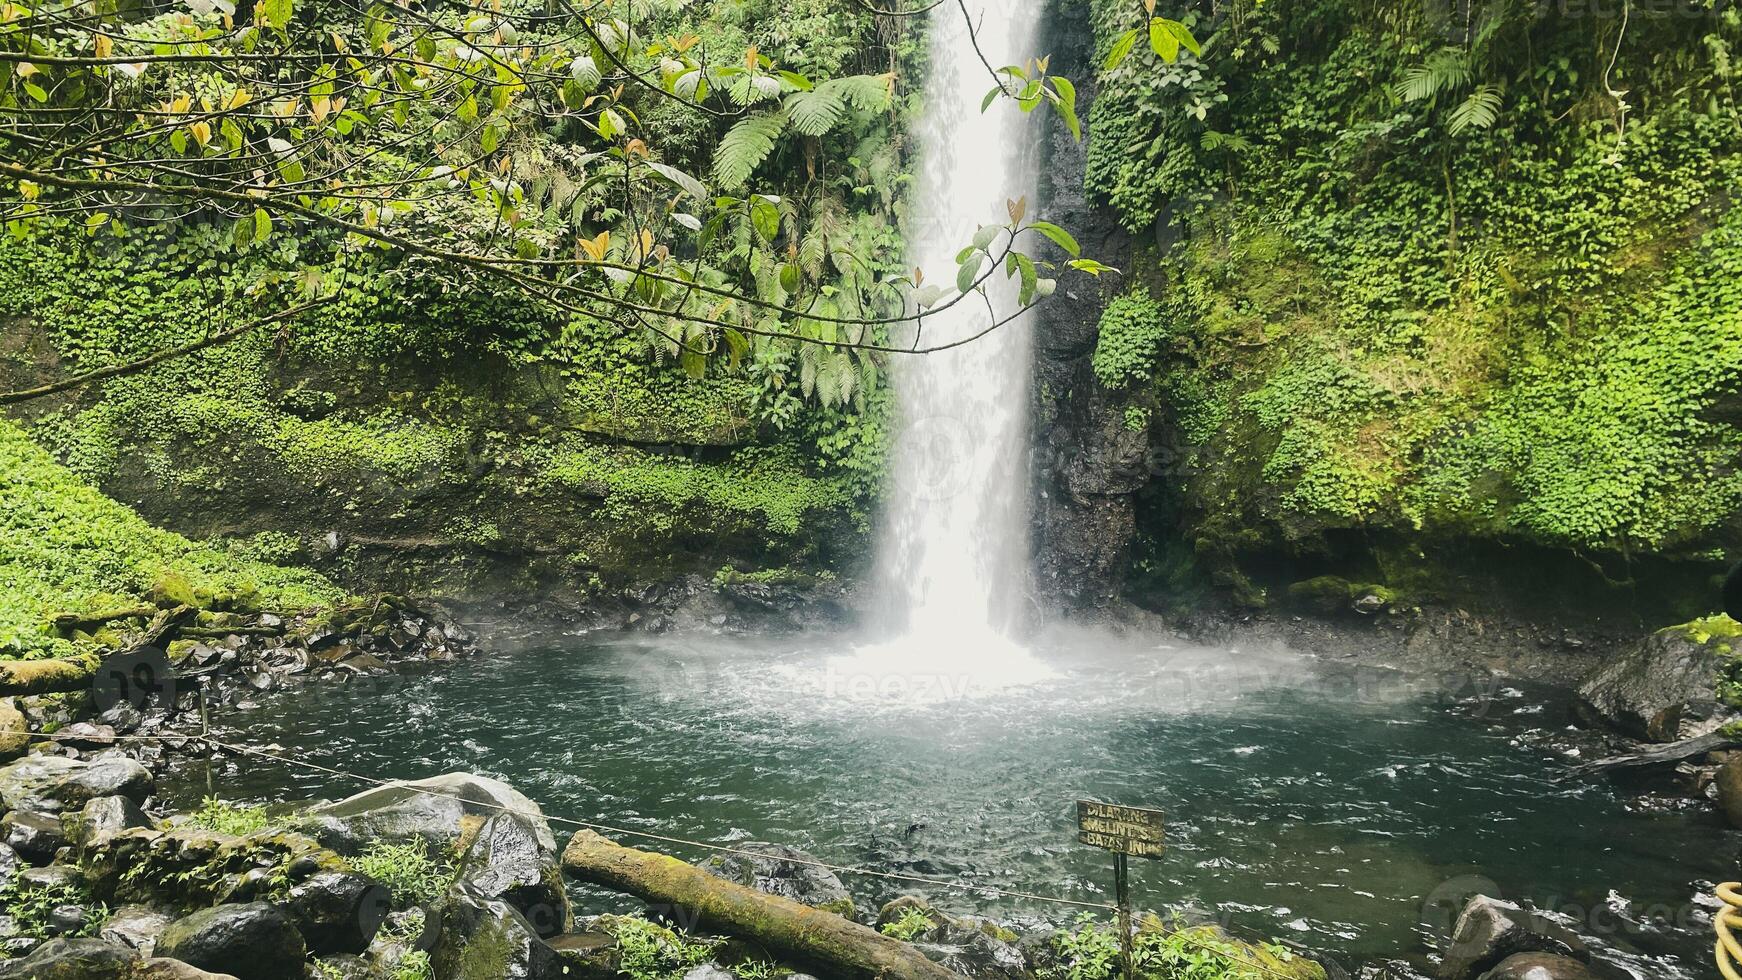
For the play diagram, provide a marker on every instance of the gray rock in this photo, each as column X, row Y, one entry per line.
column 103, row 818
column 506, row 860
column 53, row 876
column 162, row 968
column 10, row 865
column 71, row 959
column 709, row 971
column 338, row 911
column 434, row 809
column 344, row 966
column 54, row 783
column 1729, row 783
column 253, row 940
column 482, row 937
column 976, row 948
column 34, row 836
column 774, row 869
column 66, row 920
column 136, row 927
column 1539, row 966
column 1660, row 690
column 14, row 731
column 1489, row 930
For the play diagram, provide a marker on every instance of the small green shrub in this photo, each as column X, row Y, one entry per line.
column 1090, row 951
column 408, row 870
column 30, row 908
column 230, row 818
column 1132, row 332
column 647, row 951
column 910, row 925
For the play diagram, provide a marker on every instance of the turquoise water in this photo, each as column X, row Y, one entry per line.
column 1339, row 807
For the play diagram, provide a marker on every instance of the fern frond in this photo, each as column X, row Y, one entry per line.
column 1444, row 71
column 746, row 145
column 815, row 112
column 871, row 93
column 1479, row 111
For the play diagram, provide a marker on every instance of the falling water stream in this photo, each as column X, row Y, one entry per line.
column 954, row 544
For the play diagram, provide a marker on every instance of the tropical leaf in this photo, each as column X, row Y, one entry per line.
column 1121, row 48
column 1478, row 111
column 746, row 145
column 1444, row 71
column 817, row 111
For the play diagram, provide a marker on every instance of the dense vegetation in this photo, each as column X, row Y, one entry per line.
column 65, row 548
column 420, row 404
column 1460, row 276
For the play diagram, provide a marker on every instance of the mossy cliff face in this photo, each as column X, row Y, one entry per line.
column 458, row 446
column 1414, row 344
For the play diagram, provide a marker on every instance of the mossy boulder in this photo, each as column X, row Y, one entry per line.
column 187, row 866
column 1334, row 594
column 1677, row 683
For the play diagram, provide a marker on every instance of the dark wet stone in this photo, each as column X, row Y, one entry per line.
column 1490, row 930
column 1539, row 966
column 34, row 836
column 338, row 911
column 488, row 939
column 777, row 870
column 254, row 940
column 136, row 927
column 71, row 959
column 506, row 860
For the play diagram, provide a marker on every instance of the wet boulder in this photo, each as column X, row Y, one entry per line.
column 136, row 927
column 338, row 911
column 34, row 836
column 505, row 859
column 1539, row 966
column 254, row 940
column 1490, row 930
column 14, row 731
column 440, row 810
column 51, row 783
column 1663, row 689
column 72, row 959
column 163, row 968
column 103, row 818
column 488, row 939
column 785, row 871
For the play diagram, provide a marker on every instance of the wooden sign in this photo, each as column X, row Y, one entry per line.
column 1132, row 830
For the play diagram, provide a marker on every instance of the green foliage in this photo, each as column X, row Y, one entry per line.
column 1090, row 951
column 30, row 908
column 1132, row 335
column 770, row 484
column 910, row 925
column 410, row 872
column 1444, row 290
column 652, row 952
column 230, row 818
column 64, row 546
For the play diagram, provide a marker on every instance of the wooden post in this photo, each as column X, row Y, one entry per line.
column 1122, row 897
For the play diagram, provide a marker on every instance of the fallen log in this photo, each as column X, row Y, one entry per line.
column 780, row 924
column 1660, row 755
column 67, row 622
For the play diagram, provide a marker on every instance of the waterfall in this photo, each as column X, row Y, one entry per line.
column 953, row 552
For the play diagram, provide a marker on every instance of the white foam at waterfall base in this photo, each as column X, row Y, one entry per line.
column 952, row 558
